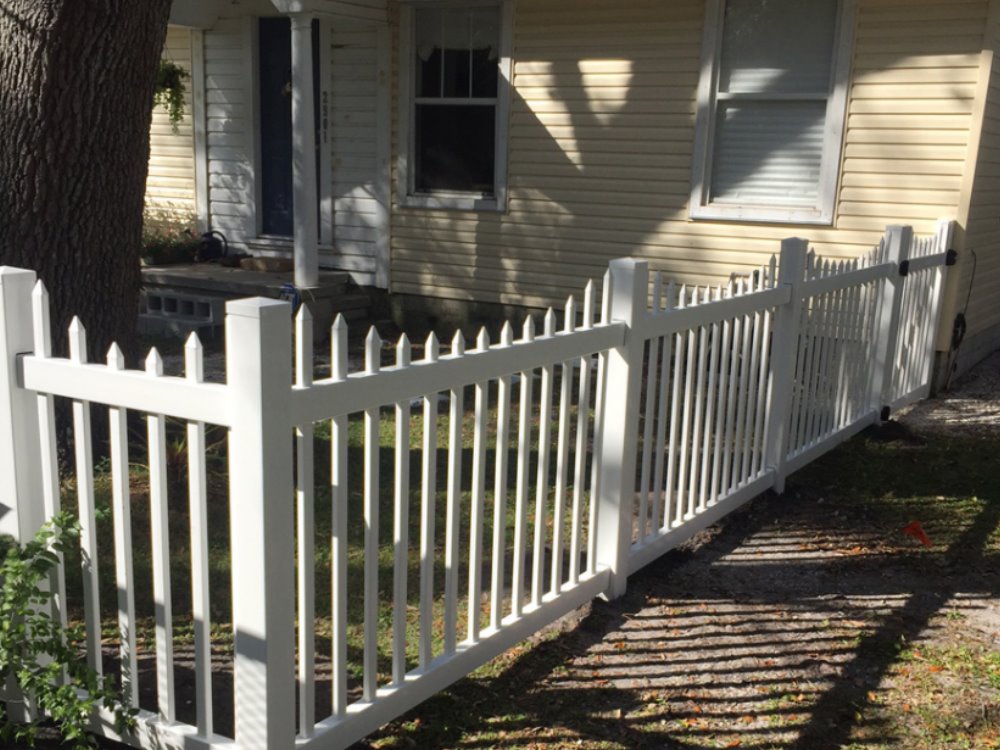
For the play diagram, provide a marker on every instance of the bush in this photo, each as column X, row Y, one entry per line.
column 39, row 656
column 163, row 245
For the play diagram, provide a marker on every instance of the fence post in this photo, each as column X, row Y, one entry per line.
column 629, row 280
column 945, row 234
column 261, row 502
column 22, row 510
column 787, row 325
column 898, row 242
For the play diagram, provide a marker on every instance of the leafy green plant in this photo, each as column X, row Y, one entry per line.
column 162, row 245
column 41, row 657
column 169, row 91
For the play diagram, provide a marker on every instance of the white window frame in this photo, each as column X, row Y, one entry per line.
column 708, row 106
column 407, row 196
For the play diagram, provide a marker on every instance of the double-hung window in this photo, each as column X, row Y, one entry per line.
column 456, row 114
column 771, row 107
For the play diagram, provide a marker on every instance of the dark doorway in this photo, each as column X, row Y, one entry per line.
column 275, row 99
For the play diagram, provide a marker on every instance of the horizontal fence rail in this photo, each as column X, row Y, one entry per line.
column 369, row 536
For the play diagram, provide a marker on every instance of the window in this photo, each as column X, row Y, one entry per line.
column 455, row 121
column 771, row 110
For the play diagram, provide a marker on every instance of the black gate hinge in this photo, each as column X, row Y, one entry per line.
column 904, row 268
column 951, row 258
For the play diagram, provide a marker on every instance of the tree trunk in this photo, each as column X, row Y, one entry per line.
column 76, row 97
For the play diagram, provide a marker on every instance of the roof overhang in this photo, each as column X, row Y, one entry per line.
column 363, row 10
column 198, row 14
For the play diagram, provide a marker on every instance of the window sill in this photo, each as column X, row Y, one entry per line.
column 453, row 202
column 762, row 215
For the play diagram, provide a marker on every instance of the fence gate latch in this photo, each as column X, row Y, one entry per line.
column 885, row 414
column 951, row 258
column 904, row 267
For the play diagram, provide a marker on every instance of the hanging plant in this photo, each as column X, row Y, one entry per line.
column 169, row 92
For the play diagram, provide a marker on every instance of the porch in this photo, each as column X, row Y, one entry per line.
column 289, row 105
column 188, row 297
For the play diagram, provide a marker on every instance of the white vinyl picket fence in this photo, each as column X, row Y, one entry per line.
column 596, row 445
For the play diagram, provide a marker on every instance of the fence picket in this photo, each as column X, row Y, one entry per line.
column 201, row 605
column 542, row 482
column 522, row 488
column 428, row 495
column 401, row 524
column 742, row 397
column 160, row 540
column 696, row 494
column 580, row 457
column 122, row 519
column 476, row 520
column 719, row 447
column 48, row 449
column 338, row 509
column 500, row 488
column 728, row 441
column 454, row 498
column 600, row 396
column 711, row 339
column 562, row 458
column 759, row 426
column 663, row 394
column 305, row 524
column 84, row 455
column 753, row 381
column 647, row 421
column 373, row 353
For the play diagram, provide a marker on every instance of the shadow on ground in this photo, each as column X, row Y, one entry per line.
column 788, row 628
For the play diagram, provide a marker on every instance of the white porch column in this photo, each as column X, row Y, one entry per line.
column 306, row 220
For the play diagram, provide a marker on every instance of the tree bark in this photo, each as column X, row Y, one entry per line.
column 76, row 98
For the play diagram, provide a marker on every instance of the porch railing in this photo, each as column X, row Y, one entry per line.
column 470, row 497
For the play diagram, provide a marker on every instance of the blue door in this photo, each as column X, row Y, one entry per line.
column 275, row 99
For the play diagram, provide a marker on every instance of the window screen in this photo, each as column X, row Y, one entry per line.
column 773, row 80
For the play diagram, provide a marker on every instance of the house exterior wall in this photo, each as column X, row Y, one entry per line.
column 170, row 184
column 230, row 139
column 352, row 132
column 601, row 136
column 977, row 288
column 348, row 106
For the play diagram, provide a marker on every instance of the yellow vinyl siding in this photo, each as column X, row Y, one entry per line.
column 170, row 189
column 982, row 234
column 601, row 138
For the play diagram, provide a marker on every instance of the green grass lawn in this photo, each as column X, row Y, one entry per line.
column 219, row 542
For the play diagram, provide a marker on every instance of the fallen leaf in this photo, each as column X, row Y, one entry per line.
column 914, row 529
column 935, row 668
column 735, row 743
